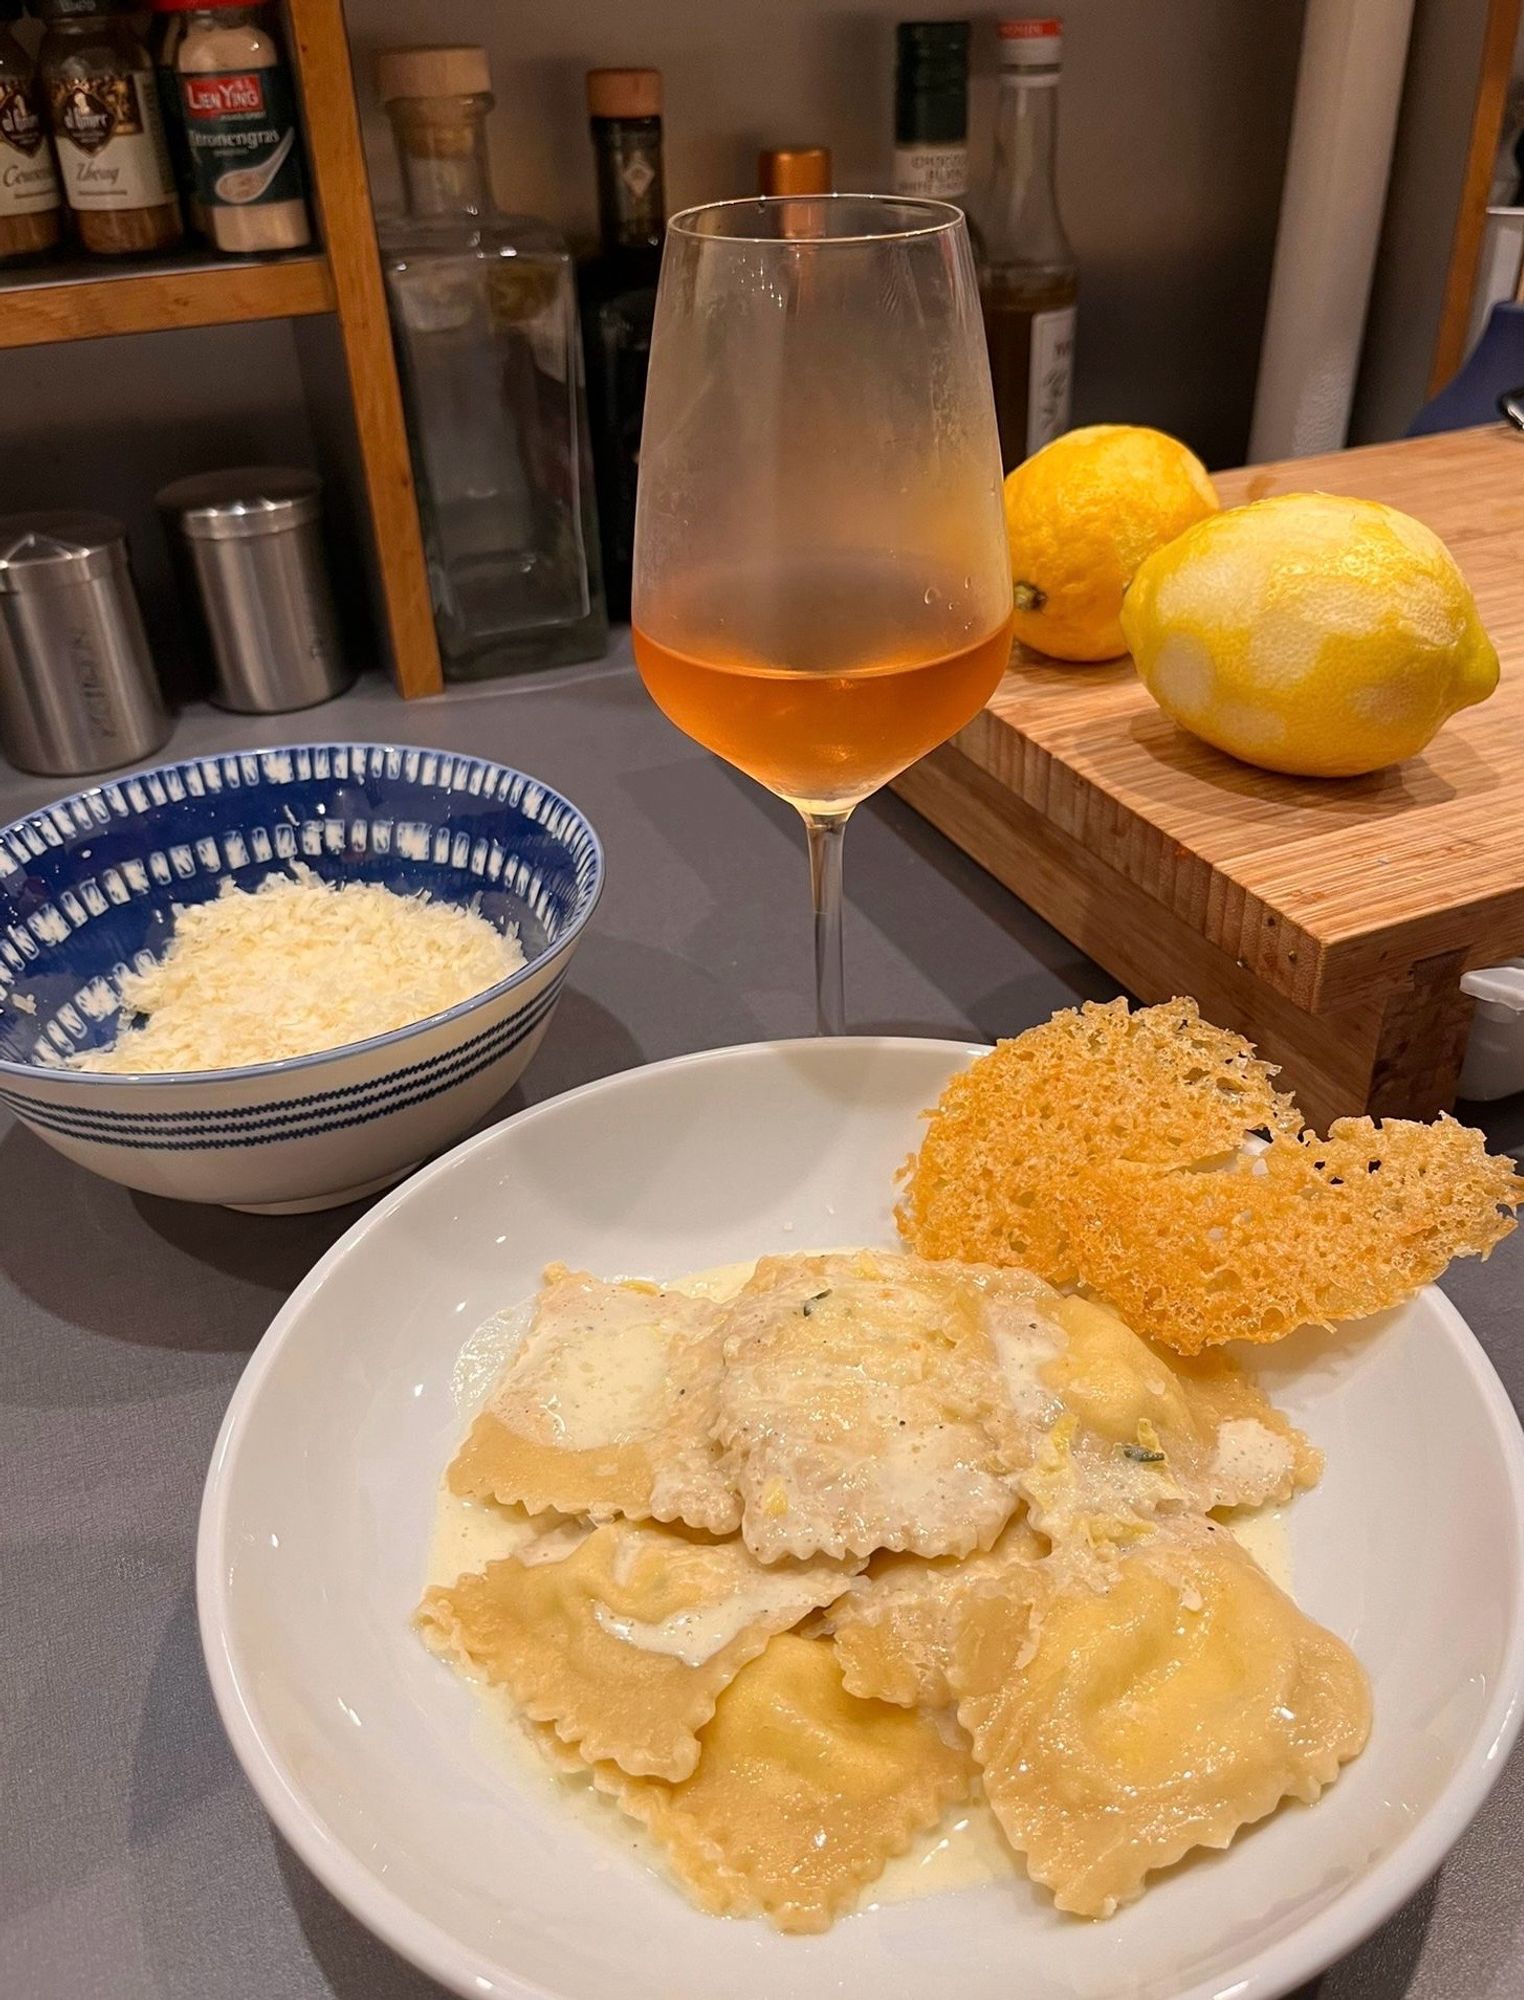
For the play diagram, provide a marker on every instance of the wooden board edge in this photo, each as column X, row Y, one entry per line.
column 1328, row 1059
column 1227, row 917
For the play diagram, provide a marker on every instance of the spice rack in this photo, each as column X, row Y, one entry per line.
column 84, row 299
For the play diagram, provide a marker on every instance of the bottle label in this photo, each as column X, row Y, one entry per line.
column 241, row 128
column 1051, row 376
column 110, row 142
column 28, row 184
column 631, row 197
column 937, row 173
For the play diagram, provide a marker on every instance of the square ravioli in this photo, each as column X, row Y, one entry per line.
column 896, row 1632
column 607, row 1408
column 625, row 1640
column 1163, row 1713
column 1134, row 1433
column 873, row 1401
column 802, row 1793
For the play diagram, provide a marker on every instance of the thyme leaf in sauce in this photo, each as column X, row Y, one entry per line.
column 813, row 1300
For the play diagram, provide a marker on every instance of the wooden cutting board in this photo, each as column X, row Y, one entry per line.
column 1330, row 920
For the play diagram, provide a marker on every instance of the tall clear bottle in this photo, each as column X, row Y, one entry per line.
column 1028, row 283
column 484, row 316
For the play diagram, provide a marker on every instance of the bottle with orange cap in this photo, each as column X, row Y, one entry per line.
column 484, row 318
column 618, row 290
column 783, row 170
column 1028, row 281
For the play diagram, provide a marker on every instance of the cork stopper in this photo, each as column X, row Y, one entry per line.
column 457, row 70
column 794, row 170
column 624, row 93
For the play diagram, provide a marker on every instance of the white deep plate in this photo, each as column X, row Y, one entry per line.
column 363, row 1748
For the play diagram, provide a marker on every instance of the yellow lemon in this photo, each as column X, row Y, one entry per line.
column 1309, row 634
column 1080, row 515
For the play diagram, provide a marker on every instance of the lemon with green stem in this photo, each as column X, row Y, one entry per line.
column 1080, row 516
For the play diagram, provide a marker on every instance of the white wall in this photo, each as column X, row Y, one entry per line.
column 1428, row 168
column 1174, row 123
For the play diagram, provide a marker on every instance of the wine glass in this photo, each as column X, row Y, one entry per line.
column 822, row 589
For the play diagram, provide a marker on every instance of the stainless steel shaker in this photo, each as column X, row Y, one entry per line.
column 77, row 686
column 252, row 543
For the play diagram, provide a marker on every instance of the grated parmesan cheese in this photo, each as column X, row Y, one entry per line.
column 296, row 966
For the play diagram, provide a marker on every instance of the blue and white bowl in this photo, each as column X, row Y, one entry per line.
column 88, row 889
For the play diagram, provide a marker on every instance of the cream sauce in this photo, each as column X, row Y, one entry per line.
column 1265, row 1537
column 697, row 1635
column 967, row 1850
column 1254, row 1458
column 598, row 1371
column 1024, row 1343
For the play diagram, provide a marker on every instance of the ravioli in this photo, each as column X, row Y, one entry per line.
column 1163, row 1714
column 607, row 1409
column 896, row 1632
column 873, row 1401
column 624, row 1643
column 802, row 1793
column 1137, row 1435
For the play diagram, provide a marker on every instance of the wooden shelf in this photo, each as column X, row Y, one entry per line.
column 86, row 298
column 83, row 301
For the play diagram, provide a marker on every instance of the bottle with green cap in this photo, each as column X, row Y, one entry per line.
column 931, row 111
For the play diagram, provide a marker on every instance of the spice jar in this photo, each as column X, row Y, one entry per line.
column 31, row 216
column 104, row 110
column 163, row 44
column 240, row 120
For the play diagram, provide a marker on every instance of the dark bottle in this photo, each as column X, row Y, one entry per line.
column 931, row 112
column 1028, row 283
column 618, row 289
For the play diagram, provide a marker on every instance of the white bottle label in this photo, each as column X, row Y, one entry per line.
column 936, row 173
column 110, row 142
column 27, row 181
column 1050, row 377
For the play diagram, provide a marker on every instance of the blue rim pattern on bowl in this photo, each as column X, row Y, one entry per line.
column 295, row 1117
column 31, row 839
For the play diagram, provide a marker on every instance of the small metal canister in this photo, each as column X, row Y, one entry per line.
column 78, row 691
column 253, row 544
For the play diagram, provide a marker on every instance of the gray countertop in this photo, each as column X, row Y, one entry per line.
column 134, row 1860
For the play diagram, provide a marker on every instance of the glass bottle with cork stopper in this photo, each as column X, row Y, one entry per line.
column 484, row 318
column 31, row 207
column 618, row 289
column 1029, row 281
column 103, row 107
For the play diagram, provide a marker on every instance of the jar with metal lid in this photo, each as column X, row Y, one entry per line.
column 77, row 686
column 250, row 539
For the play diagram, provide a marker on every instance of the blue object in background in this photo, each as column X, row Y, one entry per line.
column 1493, row 369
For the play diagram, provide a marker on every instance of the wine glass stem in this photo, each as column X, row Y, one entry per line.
column 825, row 832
